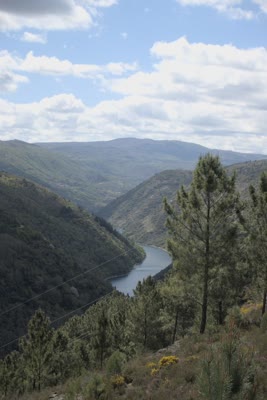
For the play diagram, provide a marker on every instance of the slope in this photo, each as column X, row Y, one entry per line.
column 139, row 213
column 93, row 174
column 129, row 161
column 60, row 173
column 46, row 241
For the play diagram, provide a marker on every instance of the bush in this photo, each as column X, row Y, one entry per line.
column 228, row 370
column 115, row 363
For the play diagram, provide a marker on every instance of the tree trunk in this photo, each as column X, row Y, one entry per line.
column 220, row 310
column 204, row 303
column 206, row 270
column 145, row 330
column 264, row 302
column 175, row 327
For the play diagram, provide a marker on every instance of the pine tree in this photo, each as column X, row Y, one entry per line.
column 179, row 305
column 37, row 349
column 258, row 234
column 203, row 227
column 144, row 315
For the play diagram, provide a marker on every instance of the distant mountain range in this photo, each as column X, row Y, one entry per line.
column 93, row 174
column 46, row 241
column 139, row 213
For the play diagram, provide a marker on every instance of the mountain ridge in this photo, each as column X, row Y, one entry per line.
column 139, row 213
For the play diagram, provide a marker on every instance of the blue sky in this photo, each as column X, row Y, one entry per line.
column 84, row 70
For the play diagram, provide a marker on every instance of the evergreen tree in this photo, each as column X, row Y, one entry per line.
column 59, row 367
column 37, row 349
column 144, row 315
column 258, row 235
column 203, row 228
column 179, row 306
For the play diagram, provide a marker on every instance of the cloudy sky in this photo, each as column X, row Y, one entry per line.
column 86, row 70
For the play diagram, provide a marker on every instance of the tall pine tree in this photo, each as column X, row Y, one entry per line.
column 203, row 227
column 37, row 349
column 258, row 235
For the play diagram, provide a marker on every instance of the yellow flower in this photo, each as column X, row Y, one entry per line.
column 154, row 371
column 168, row 360
column 151, row 365
column 117, row 380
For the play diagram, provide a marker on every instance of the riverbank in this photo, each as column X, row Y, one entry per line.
column 156, row 260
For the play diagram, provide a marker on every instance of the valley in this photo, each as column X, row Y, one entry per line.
column 59, row 263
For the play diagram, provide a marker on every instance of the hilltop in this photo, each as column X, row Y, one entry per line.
column 95, row 173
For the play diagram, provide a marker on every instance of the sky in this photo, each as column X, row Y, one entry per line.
column 87, row 70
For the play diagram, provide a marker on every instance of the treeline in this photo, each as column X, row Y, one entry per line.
column 116, row 327
column 218, row 244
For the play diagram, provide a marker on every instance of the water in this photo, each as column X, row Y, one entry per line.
column 156, row 260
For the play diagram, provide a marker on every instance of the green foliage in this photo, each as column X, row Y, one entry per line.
column 115, row 363
column 46, row 240
column 227, row 371
column 204, row 231
column 139, row 212
column 179, row 306
column 37, row 350
column 144, row 318
column 257, row 244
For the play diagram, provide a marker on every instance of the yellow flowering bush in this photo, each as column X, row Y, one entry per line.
column 151, row 365
column 168, row 360
column 154, row 371
column 117, row 381
column 249, row 307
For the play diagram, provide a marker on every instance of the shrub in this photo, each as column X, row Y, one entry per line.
column 115, row 363
column 168, row 360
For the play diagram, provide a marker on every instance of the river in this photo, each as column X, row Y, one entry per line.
column 156, row 260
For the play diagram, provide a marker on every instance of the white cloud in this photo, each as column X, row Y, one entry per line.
column 9, row 80
column 262, row 4
column 209, row 94
column 229, row 7
column 33, row 37
column 53, row 66
column 50, row 14
column 100, row 3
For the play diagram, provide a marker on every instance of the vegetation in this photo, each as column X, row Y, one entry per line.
column 204, row 231
column 93, row 174
column 140, row 213
column 46, row 242
column 198, row 334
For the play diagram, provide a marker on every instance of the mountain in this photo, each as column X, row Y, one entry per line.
column 95, row 173
column 63, row 175
column 46, row 241
column 139, row 213
column 124, row 163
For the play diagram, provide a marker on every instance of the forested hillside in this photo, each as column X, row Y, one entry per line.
column 65, row 176
column 198, row 334
column 45, row 241
column 139, row 213
column 95, row 173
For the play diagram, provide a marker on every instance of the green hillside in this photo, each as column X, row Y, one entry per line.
column 139, row 213
column 93, row 174
column 63, row 175
column 45, row 241
column 127, row 162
